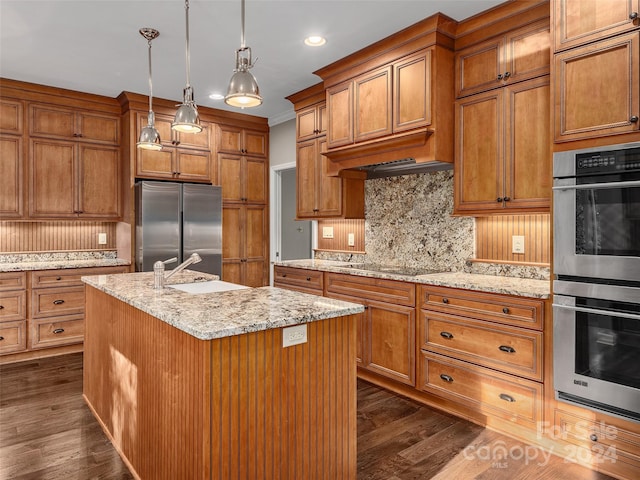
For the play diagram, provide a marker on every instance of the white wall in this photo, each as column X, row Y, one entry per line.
column 282, row 143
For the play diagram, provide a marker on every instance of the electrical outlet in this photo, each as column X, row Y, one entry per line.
column 351, row 239
column 517, row 244
column 102, row 239
column 294, row 335
column 327, row 232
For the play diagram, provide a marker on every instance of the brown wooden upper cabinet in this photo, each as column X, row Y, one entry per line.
column 71, row 179
column 11, row 177
column 242, row 141
column 51, row 121
column 597, row 88
column 311, row 122
column 243, row 178
column 578, row 22
column 389, row 99
column 11, row 116
column 503, row 150
column 521, row 54
column 184, row 156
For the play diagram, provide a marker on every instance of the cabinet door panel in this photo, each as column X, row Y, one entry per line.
column 100, row 181
column 162, row 124
column 329, row 188
column 255, row 227
column 232, row 272
column 200, row 140
column 229, row 139
column 372, row 105
column 528, row 148
column 412, row 92
column 580, row 22
column 478, row 67
column 391, row 330
column 256, row 180
column 52, row 191
column 232, row 232
column 306, row 124
column 254, row 273
column 11, row 118
column 322, row 119
column 306, row 179
column 340, row 115
column 99, row 128
column 255, row 143
column 154, row 164
column 13, row 336
column 11, row 177
column 51, row 122
column 194, row 166
column 230, row 176
column 528, row 52
column 597, row 89
column 479, row 151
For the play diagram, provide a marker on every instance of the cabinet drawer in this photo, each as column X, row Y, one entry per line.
column 605, row 441
column 13, row 305
column 69, row 277
column 389, row 291
column 13, row 281
column 64, row 330
column 506, row 309
column 509, row 349
column 13, row 336
column 47, row 302
column 307, row 279
column 485, row 390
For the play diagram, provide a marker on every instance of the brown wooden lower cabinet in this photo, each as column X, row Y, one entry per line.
column 13, row 336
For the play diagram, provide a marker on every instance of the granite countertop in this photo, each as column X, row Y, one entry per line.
column 523, row 287
column 58, row 260
column 216, row 315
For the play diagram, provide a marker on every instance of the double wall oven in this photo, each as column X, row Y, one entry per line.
column 596, row 303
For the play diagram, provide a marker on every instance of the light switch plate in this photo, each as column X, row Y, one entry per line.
column 517, row 243
column 327, row 232
column 102, row 239
column 294, row 335
column 351, row 240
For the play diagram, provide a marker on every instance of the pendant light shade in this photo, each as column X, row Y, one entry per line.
column 187, row 119
column 243, row 88
column 149, row 136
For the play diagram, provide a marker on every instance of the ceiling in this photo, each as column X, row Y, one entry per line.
column 94, row 46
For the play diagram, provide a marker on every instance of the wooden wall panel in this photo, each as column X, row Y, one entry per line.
column 239, row 407
column 51, row 236
column 341, row 229
column 493, row 238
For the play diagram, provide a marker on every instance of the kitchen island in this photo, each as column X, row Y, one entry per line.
column 200, row 386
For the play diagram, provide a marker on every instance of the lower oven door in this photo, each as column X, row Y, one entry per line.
column 597, row 354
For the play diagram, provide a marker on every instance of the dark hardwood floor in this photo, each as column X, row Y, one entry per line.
column 47, row 432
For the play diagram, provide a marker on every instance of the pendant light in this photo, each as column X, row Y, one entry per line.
column 243, row 88
column 187, row 119
column 149, row 136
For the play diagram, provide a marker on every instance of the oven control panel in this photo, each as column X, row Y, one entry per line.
column 614, row 161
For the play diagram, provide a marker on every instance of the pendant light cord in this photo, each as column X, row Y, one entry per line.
column 242, row 44
column 186, row 7
column 150, row 82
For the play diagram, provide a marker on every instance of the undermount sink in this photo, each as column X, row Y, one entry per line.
column 212, row 286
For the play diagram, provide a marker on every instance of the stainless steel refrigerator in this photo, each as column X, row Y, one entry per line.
column 176, row 220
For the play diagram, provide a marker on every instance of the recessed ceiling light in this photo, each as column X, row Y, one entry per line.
column 315, row 40
column 216, row 96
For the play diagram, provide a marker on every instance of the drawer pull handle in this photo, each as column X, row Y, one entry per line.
column 58, row 302
column 308, row 279
column 593, row 437
column 58, row 278
column 507, row 398
column 507, row 348
column 445, row 300
column 1, row 307
column 1, row 338
column 284, row 275
column 446, row 378
column 446, row 335
column 505, row 310
column 58, row 330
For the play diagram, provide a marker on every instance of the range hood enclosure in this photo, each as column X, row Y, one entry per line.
column 428, row 136
column 406, row 166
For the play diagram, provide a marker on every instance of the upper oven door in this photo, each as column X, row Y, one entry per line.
column 597, row 226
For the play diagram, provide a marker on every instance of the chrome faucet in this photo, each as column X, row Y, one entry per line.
column 158, row 269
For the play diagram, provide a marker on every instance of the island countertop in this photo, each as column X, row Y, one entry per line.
column 223, row 314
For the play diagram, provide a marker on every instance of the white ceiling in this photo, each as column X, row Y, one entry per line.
column 94, row 46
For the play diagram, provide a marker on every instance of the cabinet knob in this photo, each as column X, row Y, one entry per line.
column 505, row 310
column 445, row 300
column 633, row 119
column 58, row 330
column 499, row 199
column 366, row 307
column 446, row 378
column 284, row 275
column 58, row 302
column 633, row 15
column 507, row 398
column 507, row 349
column 507, row 199
column 58, row 278
column 499, row 76
column 507, row 74
column 308, row 279
column 446, row 335
column 1, row 338
column 1, row 307
column 593, row 437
